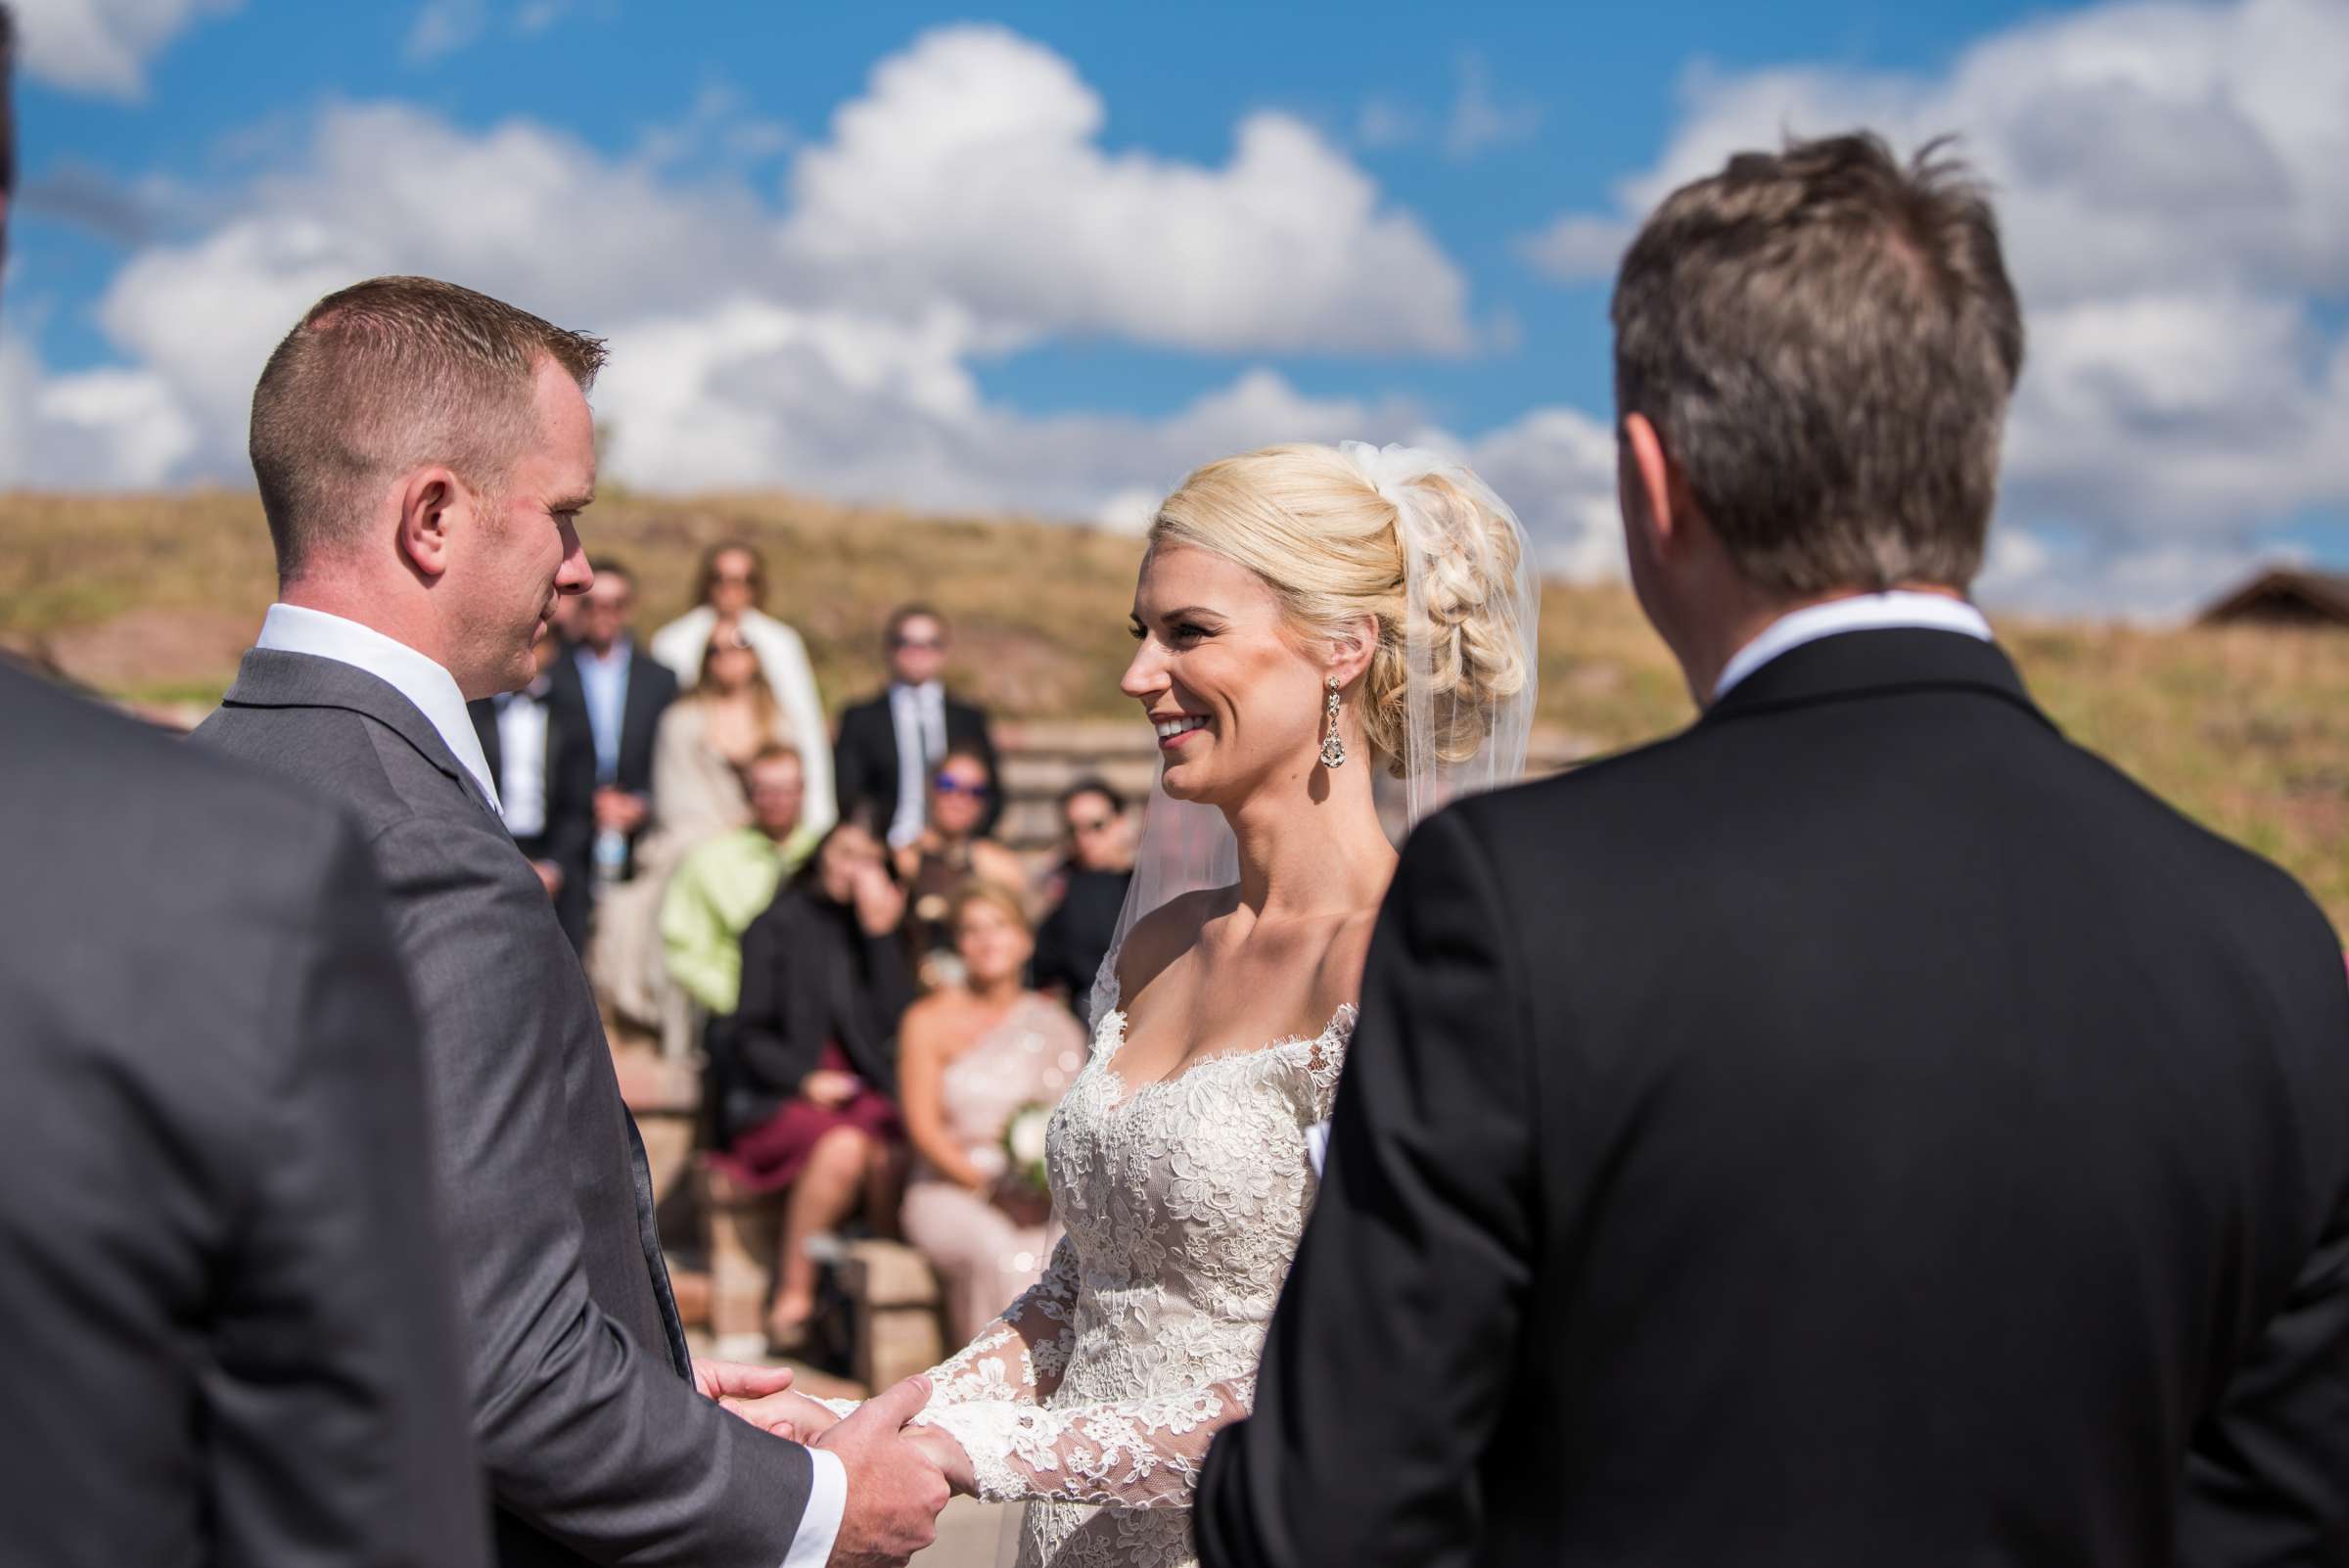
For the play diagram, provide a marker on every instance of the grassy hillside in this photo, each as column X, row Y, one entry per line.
column 153, row 597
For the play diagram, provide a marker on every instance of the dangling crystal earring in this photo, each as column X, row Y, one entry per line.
column 1333, row 748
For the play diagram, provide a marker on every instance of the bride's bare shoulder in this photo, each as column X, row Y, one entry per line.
column 1164, row 934
column 1339, row 976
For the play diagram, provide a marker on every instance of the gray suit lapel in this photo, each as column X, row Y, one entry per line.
column 272, row 678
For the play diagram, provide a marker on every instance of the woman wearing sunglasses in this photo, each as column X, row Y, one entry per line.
column 952, row 850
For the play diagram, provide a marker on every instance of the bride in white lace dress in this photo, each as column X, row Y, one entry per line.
column 1303, row 615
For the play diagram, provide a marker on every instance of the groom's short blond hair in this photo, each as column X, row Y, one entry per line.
column 1825, row 342
column 383, row 377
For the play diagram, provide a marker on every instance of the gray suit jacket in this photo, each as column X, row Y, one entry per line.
column 597, row 1445
column 226, row 1327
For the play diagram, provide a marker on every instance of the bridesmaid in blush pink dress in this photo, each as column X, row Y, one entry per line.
column 969, row 1059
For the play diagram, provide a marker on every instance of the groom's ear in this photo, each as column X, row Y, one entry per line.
column 1655, row 500
column 428, row 503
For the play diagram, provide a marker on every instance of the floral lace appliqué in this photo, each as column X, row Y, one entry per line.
column 1097, row 1392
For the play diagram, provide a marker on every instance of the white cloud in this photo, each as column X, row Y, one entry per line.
column 103, row 46
column 2171, row 181
column 60, row 431
column 1383, row 122
column 828, row 342
column 1578, row 247
column 1480, row 117
column 971, row 169
column 444, row 27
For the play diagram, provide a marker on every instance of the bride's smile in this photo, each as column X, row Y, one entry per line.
column 1235, row 696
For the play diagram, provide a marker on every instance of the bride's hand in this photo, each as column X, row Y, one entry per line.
column 948, row 1455
column 786, row 1414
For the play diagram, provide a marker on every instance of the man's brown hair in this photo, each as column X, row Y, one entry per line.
column 387, row 375
column 1826, row 342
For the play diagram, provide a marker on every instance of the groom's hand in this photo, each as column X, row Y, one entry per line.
column 895, row 1488
column 729, row 1381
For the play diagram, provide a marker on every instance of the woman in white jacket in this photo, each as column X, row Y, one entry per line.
column 733, row 582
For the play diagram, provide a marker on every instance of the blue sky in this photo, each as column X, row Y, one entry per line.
column 1044, row 258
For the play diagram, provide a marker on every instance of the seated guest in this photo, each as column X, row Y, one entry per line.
column 970, row 1059
column 622, row 697
column 1074, row 936
column 726, row 883
column 803, row 1094
column 947, row 852
column 890, row 745
column 543, row 759
column 705, row 741
column 733, row 587
column 708, row 737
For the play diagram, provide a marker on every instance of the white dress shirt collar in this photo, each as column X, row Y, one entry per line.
column 1866, row 612
column 289, row 628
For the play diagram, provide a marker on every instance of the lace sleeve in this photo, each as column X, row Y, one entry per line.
column 1020, row 1356
column 1128, row 1454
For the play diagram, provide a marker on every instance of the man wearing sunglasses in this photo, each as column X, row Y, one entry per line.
column 890, row 746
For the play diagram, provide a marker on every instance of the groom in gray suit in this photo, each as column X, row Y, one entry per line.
column 424, row 453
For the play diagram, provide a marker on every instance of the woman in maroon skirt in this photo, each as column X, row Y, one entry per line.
column 811, row 1056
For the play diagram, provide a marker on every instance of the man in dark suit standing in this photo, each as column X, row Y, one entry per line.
column 544, row 761
column 424, row 453
column 890, row 745
column 605, row 679
column 228, row 1323
column 1864, row 1129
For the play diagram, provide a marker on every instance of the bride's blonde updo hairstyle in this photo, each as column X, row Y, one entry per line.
column 1314, row 527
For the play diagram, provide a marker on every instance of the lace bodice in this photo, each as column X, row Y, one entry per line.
column 1182, row 1201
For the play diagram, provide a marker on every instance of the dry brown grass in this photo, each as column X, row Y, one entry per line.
column 151, row 596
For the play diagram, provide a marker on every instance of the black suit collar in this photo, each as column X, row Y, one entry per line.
column 1882, row 663
column 271, row 677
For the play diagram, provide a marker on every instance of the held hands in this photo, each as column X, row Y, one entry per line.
column 948, row 1455
column 790, row 1416
column 743, row 1388
column 896, row 1484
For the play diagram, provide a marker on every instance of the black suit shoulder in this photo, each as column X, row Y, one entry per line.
column 659, row 679
column 104, row 765
column 214, row 1092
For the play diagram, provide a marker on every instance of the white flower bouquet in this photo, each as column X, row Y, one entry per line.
column 1024, row 1139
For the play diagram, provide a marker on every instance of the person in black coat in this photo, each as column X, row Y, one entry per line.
column 805, row 1069
column 230, row 1321
column 617, row 691
column 912, row 723
column 1074, row 936
column 230, row 1325
column 544, row 761
column 1866, row 1128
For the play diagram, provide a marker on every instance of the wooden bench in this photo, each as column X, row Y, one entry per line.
column 894, row 1323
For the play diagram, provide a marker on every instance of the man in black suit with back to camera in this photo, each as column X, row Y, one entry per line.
column 1865, row 1129
column 228, row 1322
